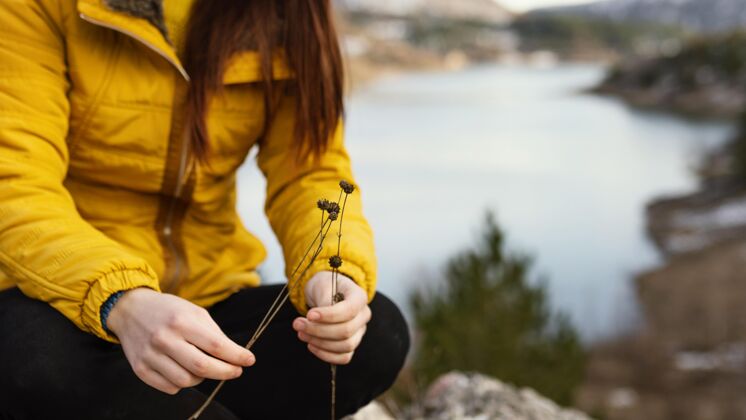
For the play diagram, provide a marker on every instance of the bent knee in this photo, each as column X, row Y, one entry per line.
column 41, row 350
column 388, row 328
column 386, row 342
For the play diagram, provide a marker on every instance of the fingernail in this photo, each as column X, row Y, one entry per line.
column 314, row 316
column 299, row 325
column 251, row 359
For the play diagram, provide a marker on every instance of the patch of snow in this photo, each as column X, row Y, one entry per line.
column 621, row 398
column 727, row 215
column 727, row 358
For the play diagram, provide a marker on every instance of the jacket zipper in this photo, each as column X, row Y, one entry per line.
column 178, row 259
column 173, row 281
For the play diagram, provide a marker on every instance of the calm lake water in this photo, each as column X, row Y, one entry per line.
column 567, row 174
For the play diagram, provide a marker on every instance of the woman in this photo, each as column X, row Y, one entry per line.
column 122, row 124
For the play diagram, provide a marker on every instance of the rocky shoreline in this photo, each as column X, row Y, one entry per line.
column 688, row 361
column 711, row 102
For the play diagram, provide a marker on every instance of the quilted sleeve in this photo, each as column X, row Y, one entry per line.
column 292, row 192
column 45, row 245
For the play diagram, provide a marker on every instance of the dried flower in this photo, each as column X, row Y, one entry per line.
column 335, row 212
column 346, row 187
column 323, row 204
column 335, row 261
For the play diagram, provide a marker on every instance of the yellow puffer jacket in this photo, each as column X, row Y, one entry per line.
column 98, row 192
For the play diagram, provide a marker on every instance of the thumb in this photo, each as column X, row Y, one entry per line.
column 318, row 289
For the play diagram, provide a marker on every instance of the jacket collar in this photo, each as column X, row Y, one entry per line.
column 143, row 20
column 139, row 19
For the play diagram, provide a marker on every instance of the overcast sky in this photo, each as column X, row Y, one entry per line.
column 523, row 5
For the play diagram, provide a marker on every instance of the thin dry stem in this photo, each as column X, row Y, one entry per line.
column 292, row 276
column 280, row 300
column 285, row 292
column 336, row 299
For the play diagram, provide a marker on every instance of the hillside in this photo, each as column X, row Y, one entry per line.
column 487, row 11
column 707, row 77
column 706, row 16
column 583, row 38
column 387, row 36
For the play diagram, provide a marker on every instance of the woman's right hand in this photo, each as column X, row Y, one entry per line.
column 172, row 343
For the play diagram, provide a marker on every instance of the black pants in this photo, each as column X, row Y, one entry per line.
column 49, row 369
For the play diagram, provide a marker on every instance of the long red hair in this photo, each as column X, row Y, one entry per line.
column 303, row 30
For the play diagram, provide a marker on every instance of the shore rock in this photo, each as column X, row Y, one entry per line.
column 697, row 301
column 474, row 396
column 688, row 361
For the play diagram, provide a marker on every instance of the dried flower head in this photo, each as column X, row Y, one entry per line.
column 323, row 204
column 346, row 187
column 335, row 261
column 302, row 267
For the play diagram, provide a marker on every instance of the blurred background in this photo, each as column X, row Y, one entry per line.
column 558, row 194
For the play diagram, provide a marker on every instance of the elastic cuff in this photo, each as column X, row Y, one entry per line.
column 106, row 309
column 103, row 288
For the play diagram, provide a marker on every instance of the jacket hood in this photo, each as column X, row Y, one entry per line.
column 150, row 10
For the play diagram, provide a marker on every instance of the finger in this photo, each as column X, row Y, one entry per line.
column 339, row 312
column 340, row 347
column 172, row 371
column 209, row 338
column 201, row 364
column 155, row 380
column 334, row 358
column 337, row 332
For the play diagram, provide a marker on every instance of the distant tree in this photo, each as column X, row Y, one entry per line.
column 738, row 148
column 567, row 34
column 486, row 316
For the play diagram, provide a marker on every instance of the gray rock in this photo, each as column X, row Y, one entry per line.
column 458, row 395
column 372, row 411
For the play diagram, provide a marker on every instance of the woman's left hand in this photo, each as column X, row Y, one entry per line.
column 333, row 332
